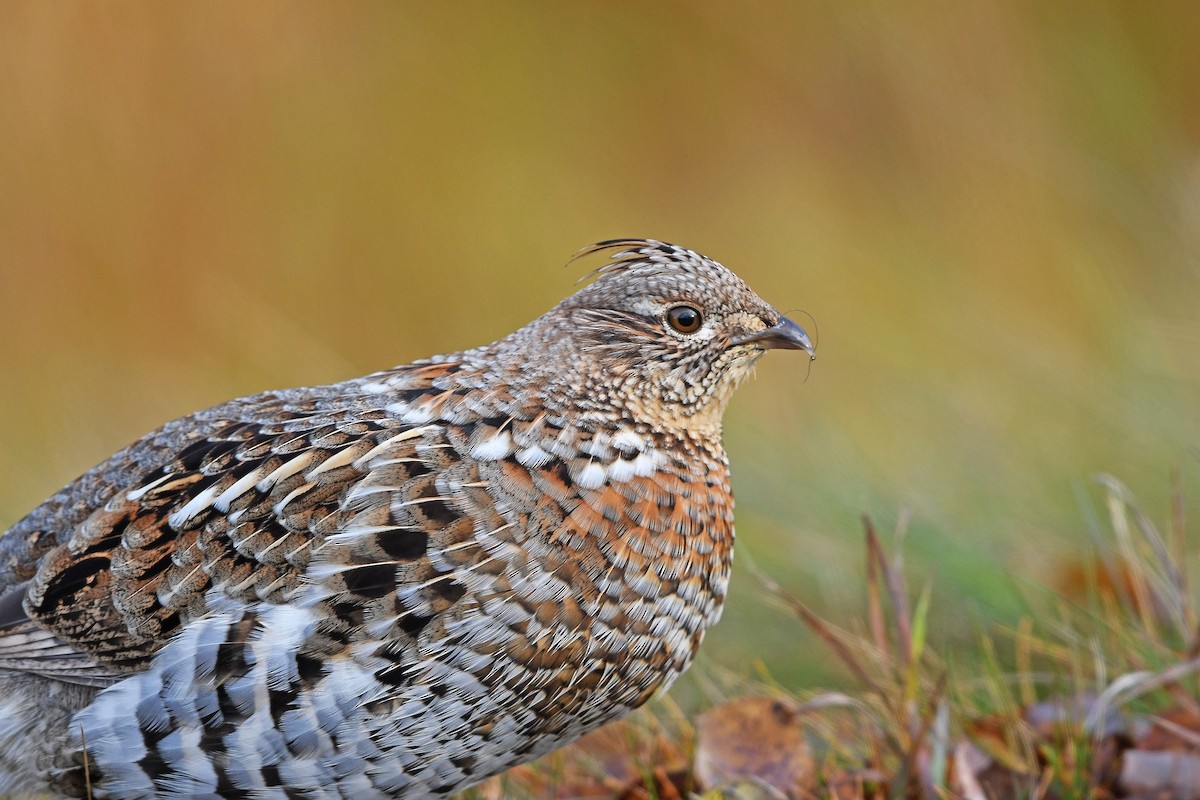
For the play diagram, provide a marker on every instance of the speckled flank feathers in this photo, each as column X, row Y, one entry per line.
column 399, row 585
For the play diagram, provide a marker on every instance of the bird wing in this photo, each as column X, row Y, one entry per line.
column 237, row 508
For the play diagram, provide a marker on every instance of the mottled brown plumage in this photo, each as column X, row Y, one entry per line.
column 397, row 585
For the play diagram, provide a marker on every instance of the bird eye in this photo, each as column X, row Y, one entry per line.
column 684, row 319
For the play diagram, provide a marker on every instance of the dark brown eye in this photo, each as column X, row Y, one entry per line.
column 684, row 319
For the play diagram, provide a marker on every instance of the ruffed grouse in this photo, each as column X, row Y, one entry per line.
column 398, row 585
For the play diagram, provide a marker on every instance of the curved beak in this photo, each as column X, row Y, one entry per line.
column 783, row 335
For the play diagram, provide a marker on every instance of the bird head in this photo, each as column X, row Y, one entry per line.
column 666, row 333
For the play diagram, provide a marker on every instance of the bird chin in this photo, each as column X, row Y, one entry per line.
column 737, row 371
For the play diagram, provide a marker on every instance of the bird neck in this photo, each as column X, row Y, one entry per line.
column 526, row 375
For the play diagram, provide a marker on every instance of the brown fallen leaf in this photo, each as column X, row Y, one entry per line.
column 602, row 764
column 1173, row 729
column 757, row 740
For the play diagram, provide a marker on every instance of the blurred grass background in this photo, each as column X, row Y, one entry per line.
column 991, row 209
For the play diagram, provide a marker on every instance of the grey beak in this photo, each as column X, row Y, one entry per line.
column 783, row 335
